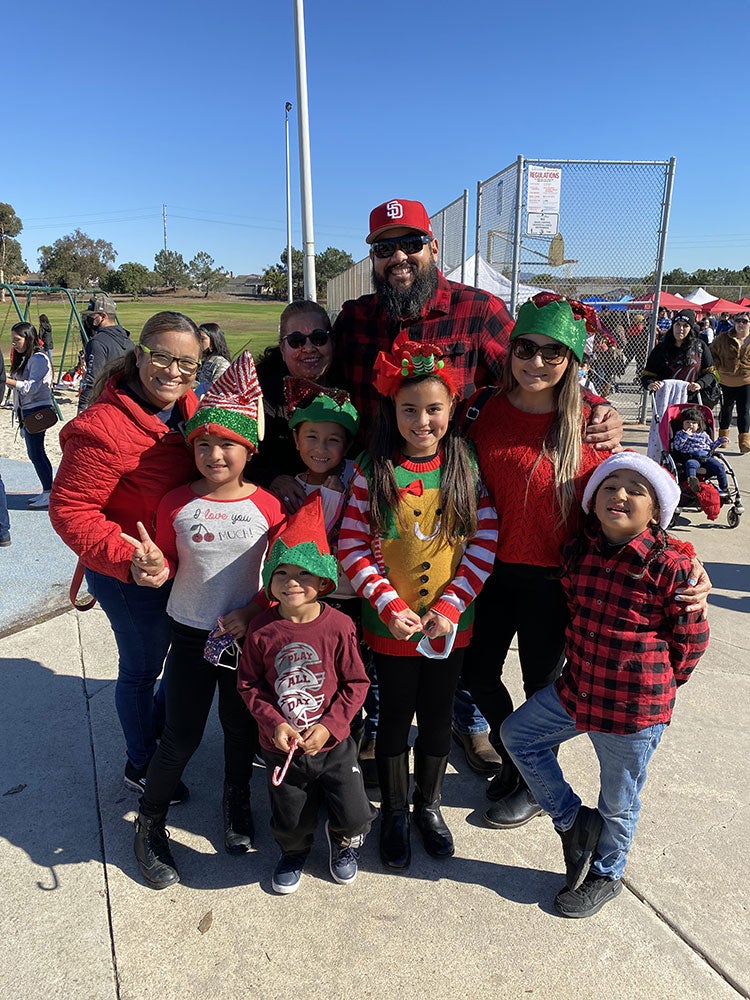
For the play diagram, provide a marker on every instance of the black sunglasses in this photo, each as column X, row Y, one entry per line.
column 318, row 338
column 551, row 354
column 409, row 244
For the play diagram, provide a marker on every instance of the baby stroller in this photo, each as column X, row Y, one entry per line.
column 669, row 424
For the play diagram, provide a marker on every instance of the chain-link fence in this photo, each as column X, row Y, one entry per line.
column 588, row 229
column 449, row 226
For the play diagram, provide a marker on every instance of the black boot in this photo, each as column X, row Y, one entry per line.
column 239, row 828
column 393, row 775
column 428, row 783
column 505, row 782
column 514, row 810
column 152, row 851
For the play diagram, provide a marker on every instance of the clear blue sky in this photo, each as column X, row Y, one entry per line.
column 114, row 110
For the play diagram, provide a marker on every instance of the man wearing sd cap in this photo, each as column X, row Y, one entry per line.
column 107, row 340
column 415, row 301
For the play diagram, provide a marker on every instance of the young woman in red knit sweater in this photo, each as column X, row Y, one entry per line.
column 529, row 440
column 417, row 543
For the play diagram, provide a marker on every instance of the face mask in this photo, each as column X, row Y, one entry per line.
column 89, row 326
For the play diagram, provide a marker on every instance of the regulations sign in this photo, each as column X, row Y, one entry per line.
column 543, row 201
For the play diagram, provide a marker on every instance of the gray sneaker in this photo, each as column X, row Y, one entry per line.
column 343, row 858
column 288, row 873
column 594, row 892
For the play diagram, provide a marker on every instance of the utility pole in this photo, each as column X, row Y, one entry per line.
column 303, row 124
column 289, row 292
column 164, row 217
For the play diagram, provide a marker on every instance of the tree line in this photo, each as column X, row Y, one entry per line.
column 79, row 261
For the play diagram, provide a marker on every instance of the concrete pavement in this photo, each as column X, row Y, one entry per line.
column 77, row 923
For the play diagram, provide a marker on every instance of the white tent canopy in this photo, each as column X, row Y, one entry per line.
column 492, row 281
column 699, row 296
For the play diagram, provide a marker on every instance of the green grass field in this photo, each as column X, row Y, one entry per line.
column 250, row 325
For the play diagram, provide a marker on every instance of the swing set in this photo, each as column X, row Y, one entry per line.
column 21, row 297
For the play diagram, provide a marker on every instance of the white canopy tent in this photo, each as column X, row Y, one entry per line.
column 493, row 281
column 700, row 296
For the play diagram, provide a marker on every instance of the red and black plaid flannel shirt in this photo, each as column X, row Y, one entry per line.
column 628, row 644
column 469, row 325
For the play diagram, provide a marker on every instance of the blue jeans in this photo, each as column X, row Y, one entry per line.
column 529, row 735
column 138, row 616
column 4, row 516
column 467, row 719
column 713, row 467
column 38, row 457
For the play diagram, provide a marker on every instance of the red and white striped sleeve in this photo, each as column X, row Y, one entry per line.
column 357, row 557
column 476, row 564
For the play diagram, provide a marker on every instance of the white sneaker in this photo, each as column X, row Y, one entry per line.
column 41, row 502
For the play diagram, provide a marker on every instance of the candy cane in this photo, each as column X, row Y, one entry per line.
column 279, row 773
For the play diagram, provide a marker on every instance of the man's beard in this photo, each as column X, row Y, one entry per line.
column 407, row 303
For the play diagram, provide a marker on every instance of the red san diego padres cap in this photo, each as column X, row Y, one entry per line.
column 399, row 212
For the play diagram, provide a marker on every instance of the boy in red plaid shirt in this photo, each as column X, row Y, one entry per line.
column 629, row 645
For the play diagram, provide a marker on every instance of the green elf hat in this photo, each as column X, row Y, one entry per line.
column 233, row 406
column 555, row 320
column 303, row 543
column 306, row 400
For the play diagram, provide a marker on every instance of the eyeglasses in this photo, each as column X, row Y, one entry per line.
column 741, row 321
column 409, row 244
column 161, row 359
column 551, row 354
column 318, row 338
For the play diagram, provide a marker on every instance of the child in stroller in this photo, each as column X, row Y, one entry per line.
column 695, row 448
column 686, row 437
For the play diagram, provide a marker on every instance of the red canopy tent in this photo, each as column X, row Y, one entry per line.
column 722, row 305
column 745, row 303
column 666, row 300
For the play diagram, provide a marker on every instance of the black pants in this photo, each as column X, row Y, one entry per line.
column 739, row 396
column 515, row 600
column 418, row 685
column 332, row 777
column 190, row 682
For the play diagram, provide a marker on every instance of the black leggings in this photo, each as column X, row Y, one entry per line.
column 739, row 396
column 190, row 682
column 416, row 684
column 515, row 600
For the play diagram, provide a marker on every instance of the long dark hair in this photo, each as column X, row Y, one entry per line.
column 218, row 341
column 125, row 368
column 21, row 358
column 458, row 496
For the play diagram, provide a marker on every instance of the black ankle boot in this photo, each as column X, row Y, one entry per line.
column 428, row 783
column 395, row 842
column 152, row 851
column 514, row 810
column 239, row 828
column 503, row 783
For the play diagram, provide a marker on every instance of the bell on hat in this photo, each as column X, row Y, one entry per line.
column 303, row 542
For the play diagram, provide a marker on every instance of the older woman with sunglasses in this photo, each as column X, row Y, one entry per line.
column 120, row 456
column 304, row 350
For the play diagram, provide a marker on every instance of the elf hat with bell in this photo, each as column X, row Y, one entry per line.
column 303, row 543
column 233, row 406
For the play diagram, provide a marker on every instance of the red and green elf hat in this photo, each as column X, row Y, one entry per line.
column 410, row 360
column 552, row 317
column 303, row 543
column 233, row 406
column 306, row 400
